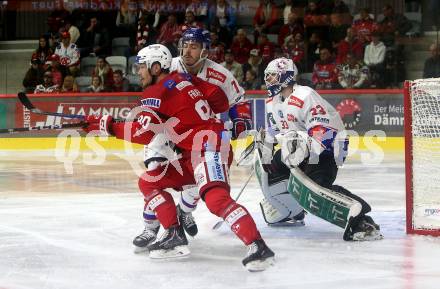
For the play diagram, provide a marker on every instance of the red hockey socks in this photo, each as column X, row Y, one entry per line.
column 162, row 203
column 220, row 203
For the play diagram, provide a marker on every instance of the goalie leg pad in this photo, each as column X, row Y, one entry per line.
column 329, row 205
column 278, row 204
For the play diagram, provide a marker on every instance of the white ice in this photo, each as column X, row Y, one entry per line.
column 61, row 231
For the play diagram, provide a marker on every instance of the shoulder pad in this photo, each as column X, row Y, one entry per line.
column 302, row 92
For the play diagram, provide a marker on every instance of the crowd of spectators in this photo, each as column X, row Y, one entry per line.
column 332, row 46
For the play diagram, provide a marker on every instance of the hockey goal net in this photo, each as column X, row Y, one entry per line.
column 422, row 156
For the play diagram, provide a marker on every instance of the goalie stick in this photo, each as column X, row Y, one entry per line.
column 38, row 128
column 220, row 223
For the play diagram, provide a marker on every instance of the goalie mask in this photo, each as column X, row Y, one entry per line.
column 279, row 73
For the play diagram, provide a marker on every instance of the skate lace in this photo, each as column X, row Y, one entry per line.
column 252, row 248
column 165, row 235
column 148, row 233
column 188, row 219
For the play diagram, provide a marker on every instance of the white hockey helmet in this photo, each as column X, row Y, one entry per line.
column 279, row 73
column 155, row 53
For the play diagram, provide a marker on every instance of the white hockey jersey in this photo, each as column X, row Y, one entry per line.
column 305, row 110
column 215, row 74
column 68, row 55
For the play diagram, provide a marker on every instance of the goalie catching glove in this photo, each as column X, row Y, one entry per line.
column 294, row 147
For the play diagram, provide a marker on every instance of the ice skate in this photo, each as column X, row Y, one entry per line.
column 365, row 230
column 187, row 221
column 172, row 244
column 144, row 239
column 259, row 257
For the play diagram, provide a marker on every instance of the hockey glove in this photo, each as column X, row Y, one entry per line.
column 265, row 150
column 294, row 147
column 241, row 117
column 240, row 125
column 99, row 123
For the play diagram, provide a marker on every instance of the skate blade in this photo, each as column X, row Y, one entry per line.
column 177, row 252
column 363, row 236
column 258, row 266
column 140, row 250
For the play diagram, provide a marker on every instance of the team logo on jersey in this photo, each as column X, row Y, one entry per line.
column 212, row 73
column 280, row 113
column 151, row 102
column 169, row 84
column 295, row 101
column 350, row 112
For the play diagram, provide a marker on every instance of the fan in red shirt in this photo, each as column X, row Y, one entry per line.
column 182, row 107
column 365, row 25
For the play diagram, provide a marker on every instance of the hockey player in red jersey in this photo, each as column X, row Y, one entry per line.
column 181, row 106
column 193, row 47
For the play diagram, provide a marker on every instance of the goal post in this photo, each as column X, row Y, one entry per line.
column 422, row 156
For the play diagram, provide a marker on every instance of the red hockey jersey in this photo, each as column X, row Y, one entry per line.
column 183, row 107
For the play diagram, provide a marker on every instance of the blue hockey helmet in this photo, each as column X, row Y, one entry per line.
column 198, row 35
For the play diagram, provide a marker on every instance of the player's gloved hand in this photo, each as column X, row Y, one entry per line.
column 240, row 125
column 294, row 147
column 241, row 117
column 99, row 123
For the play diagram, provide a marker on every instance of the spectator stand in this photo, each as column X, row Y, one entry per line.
column 121, row 46
column 83, row 82
column 87, row 65
column 117, row 62
column 130, row 69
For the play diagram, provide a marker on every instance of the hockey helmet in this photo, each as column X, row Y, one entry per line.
column 279, row 73
column 197, row 35
column 154, row 53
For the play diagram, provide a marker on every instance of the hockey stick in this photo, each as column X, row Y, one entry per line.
column 28, row 104
column 220, row 223
column 246, row 153
column 38, row 128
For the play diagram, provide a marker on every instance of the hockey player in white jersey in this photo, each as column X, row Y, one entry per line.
column 193, row 48
column 312, row 139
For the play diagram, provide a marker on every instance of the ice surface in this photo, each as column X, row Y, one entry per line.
column 61, row 231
